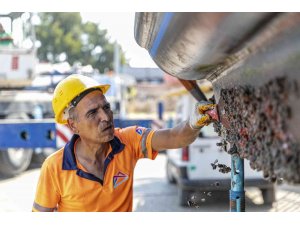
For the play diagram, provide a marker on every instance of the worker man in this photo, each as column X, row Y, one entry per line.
column 94, row 171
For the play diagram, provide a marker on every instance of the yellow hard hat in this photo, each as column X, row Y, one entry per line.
column 72, row 87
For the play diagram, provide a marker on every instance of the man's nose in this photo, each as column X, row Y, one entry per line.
column 104, row 115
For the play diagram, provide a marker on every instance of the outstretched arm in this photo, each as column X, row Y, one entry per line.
column 176, row 137
column 184, row 133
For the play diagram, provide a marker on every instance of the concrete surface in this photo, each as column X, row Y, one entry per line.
column 152, row 193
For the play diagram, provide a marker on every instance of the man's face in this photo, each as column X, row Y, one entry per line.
column 94, row 118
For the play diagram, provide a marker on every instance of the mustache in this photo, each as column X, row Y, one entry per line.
column 104, row 125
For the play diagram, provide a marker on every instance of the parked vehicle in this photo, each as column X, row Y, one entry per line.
column 17, row 71
column 191, row 167
column 27, row 129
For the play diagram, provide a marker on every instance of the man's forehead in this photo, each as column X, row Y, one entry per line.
column 94, row 97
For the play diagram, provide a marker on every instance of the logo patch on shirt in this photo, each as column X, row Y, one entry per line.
column 119, row 178
column 139, row 130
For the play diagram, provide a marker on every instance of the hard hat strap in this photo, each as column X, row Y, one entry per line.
column 77, row 99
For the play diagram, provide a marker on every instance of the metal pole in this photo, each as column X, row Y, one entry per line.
column 38, row 114
column 237, row 192
column 116, row 58
column 160, row 109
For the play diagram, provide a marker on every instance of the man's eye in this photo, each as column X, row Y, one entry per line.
column 92, row 113
column 106, row 107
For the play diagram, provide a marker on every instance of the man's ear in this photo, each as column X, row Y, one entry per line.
column 72, row 125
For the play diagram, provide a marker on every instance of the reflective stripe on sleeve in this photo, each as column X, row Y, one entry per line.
column 143, row 143
column 41, row 208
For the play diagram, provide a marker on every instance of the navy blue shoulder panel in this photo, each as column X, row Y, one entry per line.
column 69, row 160
column 116, row 145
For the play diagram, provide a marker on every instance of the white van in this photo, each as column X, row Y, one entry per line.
column 192, row 167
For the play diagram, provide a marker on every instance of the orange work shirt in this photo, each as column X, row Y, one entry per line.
column 65, row 185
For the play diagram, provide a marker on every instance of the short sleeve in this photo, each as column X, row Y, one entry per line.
column 47, row 196
column 140, row 139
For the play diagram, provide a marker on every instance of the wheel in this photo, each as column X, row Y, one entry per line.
column 268, row 195
column 170, row 176
column 184, row 197
column 13, row 161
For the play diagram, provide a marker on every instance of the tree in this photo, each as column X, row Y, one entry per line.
column 63, row 35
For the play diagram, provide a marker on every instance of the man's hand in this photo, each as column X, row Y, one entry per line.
column 200, row 116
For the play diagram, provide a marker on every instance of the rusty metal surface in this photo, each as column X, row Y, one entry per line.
column 259, row 105
column 258, row 127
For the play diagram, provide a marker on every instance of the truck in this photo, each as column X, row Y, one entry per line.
column 18, row 69
column 203, row 166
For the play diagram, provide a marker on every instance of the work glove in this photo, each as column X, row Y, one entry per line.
column 200, row 116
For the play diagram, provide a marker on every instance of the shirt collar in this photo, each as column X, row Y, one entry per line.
column 69, row 160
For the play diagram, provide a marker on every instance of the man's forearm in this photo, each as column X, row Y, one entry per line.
column 176, row 137
column 183, row 134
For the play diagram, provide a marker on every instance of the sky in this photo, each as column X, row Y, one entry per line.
column 120, row 27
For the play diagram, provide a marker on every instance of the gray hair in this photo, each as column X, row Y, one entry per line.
column 69, row 113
